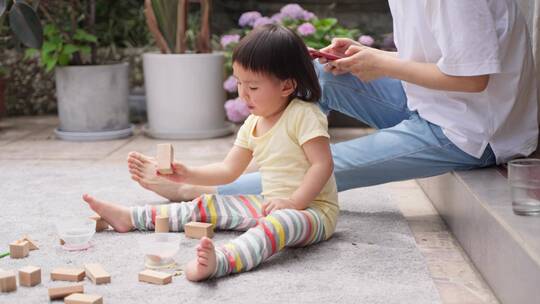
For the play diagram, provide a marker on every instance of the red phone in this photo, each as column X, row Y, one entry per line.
column 318, row 54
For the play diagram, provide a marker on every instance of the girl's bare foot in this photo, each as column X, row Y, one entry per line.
column 143, row 171
column 117, row 216
column 205, row 264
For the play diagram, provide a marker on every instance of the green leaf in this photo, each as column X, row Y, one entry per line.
column 82, row 35
column 51, row 65
column 49, row 47
column 25, row 24
column 85, row 50
column 64, row 59
column 30, row 53
column 70, row 49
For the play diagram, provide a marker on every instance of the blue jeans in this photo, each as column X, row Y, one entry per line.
column 404, row 146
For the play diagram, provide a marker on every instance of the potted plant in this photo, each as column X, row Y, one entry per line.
column 184, row 90
column 92, row 97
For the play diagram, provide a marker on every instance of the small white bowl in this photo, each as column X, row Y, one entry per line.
column 76, row 232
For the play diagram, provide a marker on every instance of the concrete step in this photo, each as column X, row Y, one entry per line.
column 504, row 247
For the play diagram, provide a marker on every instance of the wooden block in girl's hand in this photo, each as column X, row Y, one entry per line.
column 67, row 274
column 97, row 274
column 19, row 249
column 8, row 281
column 162, row 224
column 81, row 298
column 155, row 277
column 29, row 276
column 197, row 230
column 165, row 156
column 64, row 291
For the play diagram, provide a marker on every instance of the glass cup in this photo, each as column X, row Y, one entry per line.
column 524, row 180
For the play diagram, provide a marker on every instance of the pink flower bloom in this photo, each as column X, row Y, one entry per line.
column 228, row 39
column 308, row 15
column 277, row 17
column 230, row 85
column 306, row 29
column 249, row 18
column 262, row 21
column 366, row 40
column 293, row 11
column 237, row 110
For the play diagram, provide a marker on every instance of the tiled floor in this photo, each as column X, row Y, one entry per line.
column 31, row 139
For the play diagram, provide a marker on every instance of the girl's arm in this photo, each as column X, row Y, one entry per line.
column 319, row 155
column 215, row 174
column 369, row 64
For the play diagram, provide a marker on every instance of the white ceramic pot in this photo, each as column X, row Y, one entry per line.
column 185, row 96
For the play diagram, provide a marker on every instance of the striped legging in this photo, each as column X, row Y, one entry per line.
column 264, row 236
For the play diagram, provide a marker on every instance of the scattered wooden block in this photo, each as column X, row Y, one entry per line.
column 162, row 224
column 101, row 224
column 64, row 291
column 97, row 274
column 155, row 277
column 67, row 274
column 32, row 244
column 81, row 298
column 19, row 249
column 8, row 281
column 62, row 242
column 197, row 230
column 165, row 157
column 29, row 276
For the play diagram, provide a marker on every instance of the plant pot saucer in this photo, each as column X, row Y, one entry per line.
column 94, row 136
column 227, row 129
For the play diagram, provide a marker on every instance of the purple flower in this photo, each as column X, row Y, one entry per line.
column 366, row 40
column 388, row 42
column 306, row 29
column 236, row 109
column 293, row 11
column 230, row 85
column 249, row 18
column 277, row 17
column 308, row 15
column 228, row 39
column 262, row 21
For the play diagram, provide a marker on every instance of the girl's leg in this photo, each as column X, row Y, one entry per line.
column 238, row 212
column 286, row 227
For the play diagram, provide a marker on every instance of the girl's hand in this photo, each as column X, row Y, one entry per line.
column 179, row 175
column 363, row 62
column 276, row 204
column 338, row 47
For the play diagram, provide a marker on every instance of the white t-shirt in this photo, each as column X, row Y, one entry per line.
column 469, row 38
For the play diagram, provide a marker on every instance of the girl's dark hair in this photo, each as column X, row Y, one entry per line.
column 276, row 50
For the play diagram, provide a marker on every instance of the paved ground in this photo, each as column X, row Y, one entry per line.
column 30, row 140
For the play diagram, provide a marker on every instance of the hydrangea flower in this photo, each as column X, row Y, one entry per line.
column 308, row 15
column 366, row 40
column 293, row 11
column 277, row 17
column 236, row 109
column 231, row 84
column 228, row 39
column 388, row 42
column 262, row 21
column 306, row 29
column 249, row 18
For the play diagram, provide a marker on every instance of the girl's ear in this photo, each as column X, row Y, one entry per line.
column 288, row 87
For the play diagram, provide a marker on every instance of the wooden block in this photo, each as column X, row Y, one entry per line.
column 8, row 281
column 62, row 242
column 162, row 224
column 64, row 291
column 67, row 274
column 197, row 230
column 155, row 277
column 33, row 245
column 101, row 224
column 19, row 249
column 81, row 298
column 97, row 274
column 165, row 157
column 29, row 276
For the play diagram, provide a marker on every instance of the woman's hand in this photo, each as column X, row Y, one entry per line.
column 274, row 204
column 179, row 175
column 338, row 47
column 363, row 62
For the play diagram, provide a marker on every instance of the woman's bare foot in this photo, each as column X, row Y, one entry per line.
column 205, row 264
column 143, row 171
column 117, row 216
